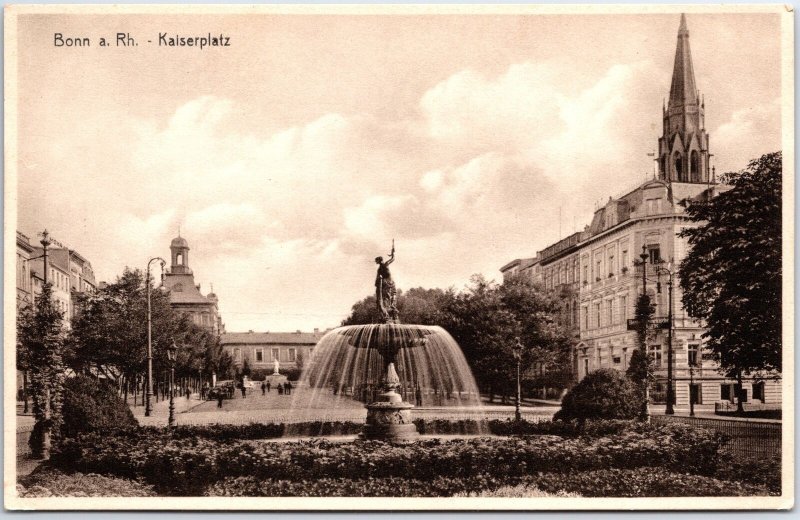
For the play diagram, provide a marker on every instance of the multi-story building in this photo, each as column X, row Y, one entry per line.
column 528, row 267
column 57, row 276
column 24, row 285
column 185, row 295
column 632, row 245
column 261, row 349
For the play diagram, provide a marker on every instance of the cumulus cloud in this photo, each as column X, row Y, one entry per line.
column 748, row 134
column 286, row 223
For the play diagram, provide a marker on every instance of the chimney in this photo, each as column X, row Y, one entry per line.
column 297, row 331
column 316, row 330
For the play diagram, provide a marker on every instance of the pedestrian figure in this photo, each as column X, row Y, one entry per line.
column 219, row 399
column 289, row 387
column 244, row 392
column 263, row 388
column 418, row 395
column 269, row 385
column 188, row 393
column 280, row 389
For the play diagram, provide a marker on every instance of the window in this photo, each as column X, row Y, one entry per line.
column 179, row 259
column 598, row 269
column 585, row 273
column 758, row 391
column 693, row 350
column 237, row 354
column 624, row 258
column 623, row 308
column 585, row 312
column 655, row 254
column 609, row 312
column 259, row 355
column 597, row 314
column 276, row 354
column 726, row 392
column 655, row 354
column 292, row 354
column 611, row 266
column 585, row 366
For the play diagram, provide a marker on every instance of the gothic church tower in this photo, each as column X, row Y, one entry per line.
column 683, row 147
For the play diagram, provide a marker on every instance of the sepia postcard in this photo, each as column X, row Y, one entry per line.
column 399, row 257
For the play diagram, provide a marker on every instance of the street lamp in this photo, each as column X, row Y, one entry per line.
column 691, row 387
column 517, row 352
column 171, row 354
column 148, row 407
column 670, row 394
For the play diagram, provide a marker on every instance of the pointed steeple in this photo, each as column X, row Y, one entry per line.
column 683, row 147
column 683, row 90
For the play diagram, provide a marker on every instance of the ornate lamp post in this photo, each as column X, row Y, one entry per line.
column 171, row 354
column 670, row 394
column 691, row 387
column 148, row 407
column 517, row 351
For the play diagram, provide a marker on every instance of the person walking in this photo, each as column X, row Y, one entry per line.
column 263, row 388
column 219, row 399
column 280, row 389
column 244, row 391
column 269, row 385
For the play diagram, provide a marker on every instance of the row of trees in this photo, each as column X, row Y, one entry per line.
column 108, row 339
column 486, row 319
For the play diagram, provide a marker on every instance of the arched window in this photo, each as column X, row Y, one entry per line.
column 694, row 164
column 663, row 166
column 179, row 259
column 678, row 160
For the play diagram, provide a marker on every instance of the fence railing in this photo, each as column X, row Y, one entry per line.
column 759, row 439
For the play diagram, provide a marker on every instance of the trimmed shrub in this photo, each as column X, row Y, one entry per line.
column 602, row 394
column 638, row 482
column 93, row 405
column 184, row 466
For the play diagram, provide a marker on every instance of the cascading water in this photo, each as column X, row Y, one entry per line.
column 388, row 368
column 349, row 368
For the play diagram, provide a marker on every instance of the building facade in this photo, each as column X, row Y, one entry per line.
column 631, row 247
column 261, row 349
column 185, row 295
column 24, row 283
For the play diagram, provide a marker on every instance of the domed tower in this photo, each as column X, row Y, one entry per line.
column 683, row 147
column 180, row 256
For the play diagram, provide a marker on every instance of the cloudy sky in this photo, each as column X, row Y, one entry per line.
column 290, row 159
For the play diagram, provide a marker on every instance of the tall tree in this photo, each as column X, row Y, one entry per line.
column 417, row 305
column 732, row 276
column 41, row 335
column 640, row 367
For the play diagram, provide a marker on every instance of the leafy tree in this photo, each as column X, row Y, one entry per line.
column 40, row 334
column 486, row 319
column 732, row 276
column 418, row 305
column 640, row 367
column 246, row 370
column 109, row 334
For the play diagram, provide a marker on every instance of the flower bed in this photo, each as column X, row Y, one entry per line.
column 187, row 465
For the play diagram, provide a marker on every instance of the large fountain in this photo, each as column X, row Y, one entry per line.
column 388, row 368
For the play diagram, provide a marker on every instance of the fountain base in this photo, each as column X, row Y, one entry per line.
column 389, row 419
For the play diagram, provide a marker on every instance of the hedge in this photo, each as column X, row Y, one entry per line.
column 184, row 466
column 638, row 482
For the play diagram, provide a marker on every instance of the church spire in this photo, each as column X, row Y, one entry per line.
column 683, row 147
column 683, row 90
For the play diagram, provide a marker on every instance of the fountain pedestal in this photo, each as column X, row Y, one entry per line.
column 389, row 418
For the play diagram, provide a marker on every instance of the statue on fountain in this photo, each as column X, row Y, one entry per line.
column 385, row 291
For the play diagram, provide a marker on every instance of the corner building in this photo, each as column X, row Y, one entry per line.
column 600, row 273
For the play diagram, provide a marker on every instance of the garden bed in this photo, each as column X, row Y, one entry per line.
column 607, row 458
